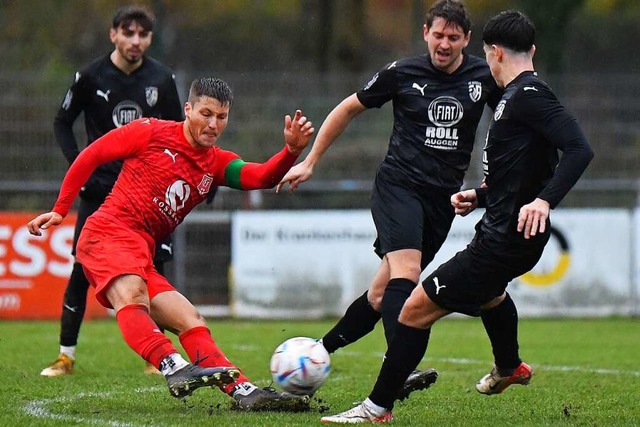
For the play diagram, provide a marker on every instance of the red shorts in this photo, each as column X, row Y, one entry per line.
column 107, row 249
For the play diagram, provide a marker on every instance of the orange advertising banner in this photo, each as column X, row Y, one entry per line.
column 34, row 271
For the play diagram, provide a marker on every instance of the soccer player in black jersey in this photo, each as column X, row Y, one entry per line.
column 438, row 99
column 524, row 179
column 112, row 91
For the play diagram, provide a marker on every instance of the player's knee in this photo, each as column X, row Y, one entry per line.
column 405, row 263
column 127, row 290
column 410, row 272
column 494, row 302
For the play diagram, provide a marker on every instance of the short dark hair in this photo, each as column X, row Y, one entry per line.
column 511, row 29
column 211, row 87
column 124, row 16
column 452, row 11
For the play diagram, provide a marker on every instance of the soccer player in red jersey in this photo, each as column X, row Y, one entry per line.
column 169, row 167
column 111, row 91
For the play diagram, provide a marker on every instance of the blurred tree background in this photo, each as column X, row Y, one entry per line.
column 57, row 36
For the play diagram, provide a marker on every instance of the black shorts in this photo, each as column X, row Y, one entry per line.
column 481, row 272
column 164, row 250
column 407, row 217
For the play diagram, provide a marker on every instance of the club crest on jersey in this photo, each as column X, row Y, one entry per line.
column 205, row 184
column 475, row 91
column 151, row 93
column 499, row 110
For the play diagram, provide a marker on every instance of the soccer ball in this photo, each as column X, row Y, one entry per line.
column 300, row 365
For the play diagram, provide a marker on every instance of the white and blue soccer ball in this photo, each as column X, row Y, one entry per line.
column 300, row 365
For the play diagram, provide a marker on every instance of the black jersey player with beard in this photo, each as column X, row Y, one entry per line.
column 112, row 91
column 524, row 179
column 438, row 99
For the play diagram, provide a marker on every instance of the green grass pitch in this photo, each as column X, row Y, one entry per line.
column 586, row 374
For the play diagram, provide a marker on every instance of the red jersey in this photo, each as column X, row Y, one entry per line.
column 163, row 176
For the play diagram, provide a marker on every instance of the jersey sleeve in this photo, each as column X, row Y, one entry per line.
column 73, row 104
column 171, row 108
column 243, row 175
column 540, row 109
column 380, row 89
column 118, row 144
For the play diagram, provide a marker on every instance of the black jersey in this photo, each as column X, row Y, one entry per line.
column 109, row 99
column 520, row 158
column 435, row 117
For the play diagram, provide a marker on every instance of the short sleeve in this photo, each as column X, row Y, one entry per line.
column 380, row 89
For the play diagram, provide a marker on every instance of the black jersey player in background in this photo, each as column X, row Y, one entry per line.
column 438, row 100
column 112, row 91
column 524, row 179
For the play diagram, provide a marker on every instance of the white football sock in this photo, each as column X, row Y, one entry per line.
column 68, row 351
column 172, row 364
column 243, row 389
column 376, row 409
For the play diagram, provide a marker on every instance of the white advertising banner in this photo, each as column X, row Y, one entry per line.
column 585, row 270
column 309, row 264
column 300, row 264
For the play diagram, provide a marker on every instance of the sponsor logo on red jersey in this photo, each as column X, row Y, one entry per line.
column 177, row 195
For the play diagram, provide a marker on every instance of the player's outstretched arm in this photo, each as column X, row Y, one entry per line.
column 253, row 176
column 43, row 221
column 333, row 126
column 297, row 132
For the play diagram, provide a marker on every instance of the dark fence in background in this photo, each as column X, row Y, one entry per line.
column 32, row 166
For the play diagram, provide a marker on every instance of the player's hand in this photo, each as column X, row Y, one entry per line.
column 464, row 202
column 533, row 218
column 297, row 132
column 43, row 221
column 296, row 176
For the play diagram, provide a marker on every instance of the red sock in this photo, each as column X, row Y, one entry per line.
column 200, row 346
column 142, row 334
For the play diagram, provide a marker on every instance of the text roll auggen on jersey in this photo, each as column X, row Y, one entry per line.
column 444, row 112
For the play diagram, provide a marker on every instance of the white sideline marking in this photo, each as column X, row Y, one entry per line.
column 459, row 361
column 536, row 367
column 38, row 408
column 547, row 367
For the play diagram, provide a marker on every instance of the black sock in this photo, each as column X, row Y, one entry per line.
column 73, row 306
column 501, row 324
column 359, row 319
column 403, row 356
column 395, row 294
